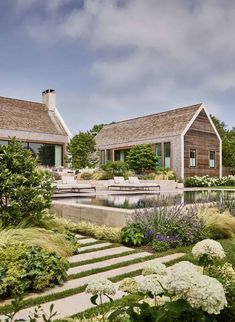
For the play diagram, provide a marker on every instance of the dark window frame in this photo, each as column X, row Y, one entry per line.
column 212, row 167
column 193, row 150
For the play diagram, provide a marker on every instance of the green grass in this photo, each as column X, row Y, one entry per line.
column 96, row 260
column 97, row 249
column 111, row 267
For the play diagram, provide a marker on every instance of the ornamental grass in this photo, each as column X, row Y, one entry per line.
column 219, row 225
column 46, row 239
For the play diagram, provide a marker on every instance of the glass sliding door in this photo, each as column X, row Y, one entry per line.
column 167, row 155
column 159, row 154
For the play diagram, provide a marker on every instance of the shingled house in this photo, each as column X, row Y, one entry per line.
column 185, row 139
column 39, row 126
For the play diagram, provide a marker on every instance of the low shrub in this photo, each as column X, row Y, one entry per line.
column 29, row 268
column 219, row 224
column 115, row 168
column 178, row 224
column 132, row 235
column 64, row 244
column 164, row 174
column 206, row 181
column 100, row 232
column 86, row 176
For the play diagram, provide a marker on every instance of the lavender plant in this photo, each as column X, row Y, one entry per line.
column 176, row 225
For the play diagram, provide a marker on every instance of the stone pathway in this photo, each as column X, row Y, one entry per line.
column 74, row 304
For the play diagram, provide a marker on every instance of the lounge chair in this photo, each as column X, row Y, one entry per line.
column 68, row 183
column 145, row 185
column 132, row 184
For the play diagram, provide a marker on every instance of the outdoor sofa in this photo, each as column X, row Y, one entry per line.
column 132, row 183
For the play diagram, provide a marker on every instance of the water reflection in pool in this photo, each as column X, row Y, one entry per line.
column 131, row 201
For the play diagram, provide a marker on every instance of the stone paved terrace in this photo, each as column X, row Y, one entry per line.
column 120, row 256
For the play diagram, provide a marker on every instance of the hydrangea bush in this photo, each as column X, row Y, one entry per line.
column 207, row 181
column 181, row 292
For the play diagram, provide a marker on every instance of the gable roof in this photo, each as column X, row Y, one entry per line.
column 164, row 124
column 29, row 116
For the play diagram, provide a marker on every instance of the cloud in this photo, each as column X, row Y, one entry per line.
column 142, row 56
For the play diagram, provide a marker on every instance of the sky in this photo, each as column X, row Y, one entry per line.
column 110, row 60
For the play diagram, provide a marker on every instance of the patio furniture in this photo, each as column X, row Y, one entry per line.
column 68, row 183
column 132, row 184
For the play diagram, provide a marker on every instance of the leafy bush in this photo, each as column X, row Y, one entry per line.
column 25, row 190
column 115, row 168
column 141, row 158
column 100, row 232
column 132, row 234
column 219, row 225
column 29, row 268
column 63, row 244
column 86, row 176
column 179, row 224
column 207, row 181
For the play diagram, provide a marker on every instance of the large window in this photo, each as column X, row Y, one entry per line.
column 212, row 159
column 48, row 154
column 159, row 154
column 167, row 155
column 121, row 155
column 193, row 158
column 102, row 157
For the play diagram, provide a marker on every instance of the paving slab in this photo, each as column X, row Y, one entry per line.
column 77, row 303
column 96, row 246
column 108, row 262
column 74, row 283
column 99, row 253
column 80, row 236
column 87, row 241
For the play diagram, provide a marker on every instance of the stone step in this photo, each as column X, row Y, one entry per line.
column 80, row 236
column 74, row 283
column 96, row 246
column 99, row 253
column 108, row 262
column 77, row 303
column 87, row 241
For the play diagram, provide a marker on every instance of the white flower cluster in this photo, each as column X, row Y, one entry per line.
column 206, row 181
column 185, row 281
column 129, row 285
column 152, row 284
column 208, row 248
column 101, row 286
column 158, row 268
column 208, row 294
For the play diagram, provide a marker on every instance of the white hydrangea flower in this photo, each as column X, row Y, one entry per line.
column 207, row 293
column 129, row 285
column 158, row 268
column 151, row 284
column 180, row 278
column 210, row 248
column 101, row 286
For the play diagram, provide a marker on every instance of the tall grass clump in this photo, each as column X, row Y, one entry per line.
column 46, row 239
column 100, row 232
column 219, row 224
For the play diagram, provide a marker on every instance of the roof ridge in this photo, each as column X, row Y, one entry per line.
column 20, row 100
column 163, row 112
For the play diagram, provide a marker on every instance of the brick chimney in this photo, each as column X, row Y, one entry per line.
column 48, row 98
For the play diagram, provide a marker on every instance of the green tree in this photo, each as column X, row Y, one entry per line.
column 141, row 158
column 96, row 129
column 82, row 147
column 228, row 142
column 25, row 190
